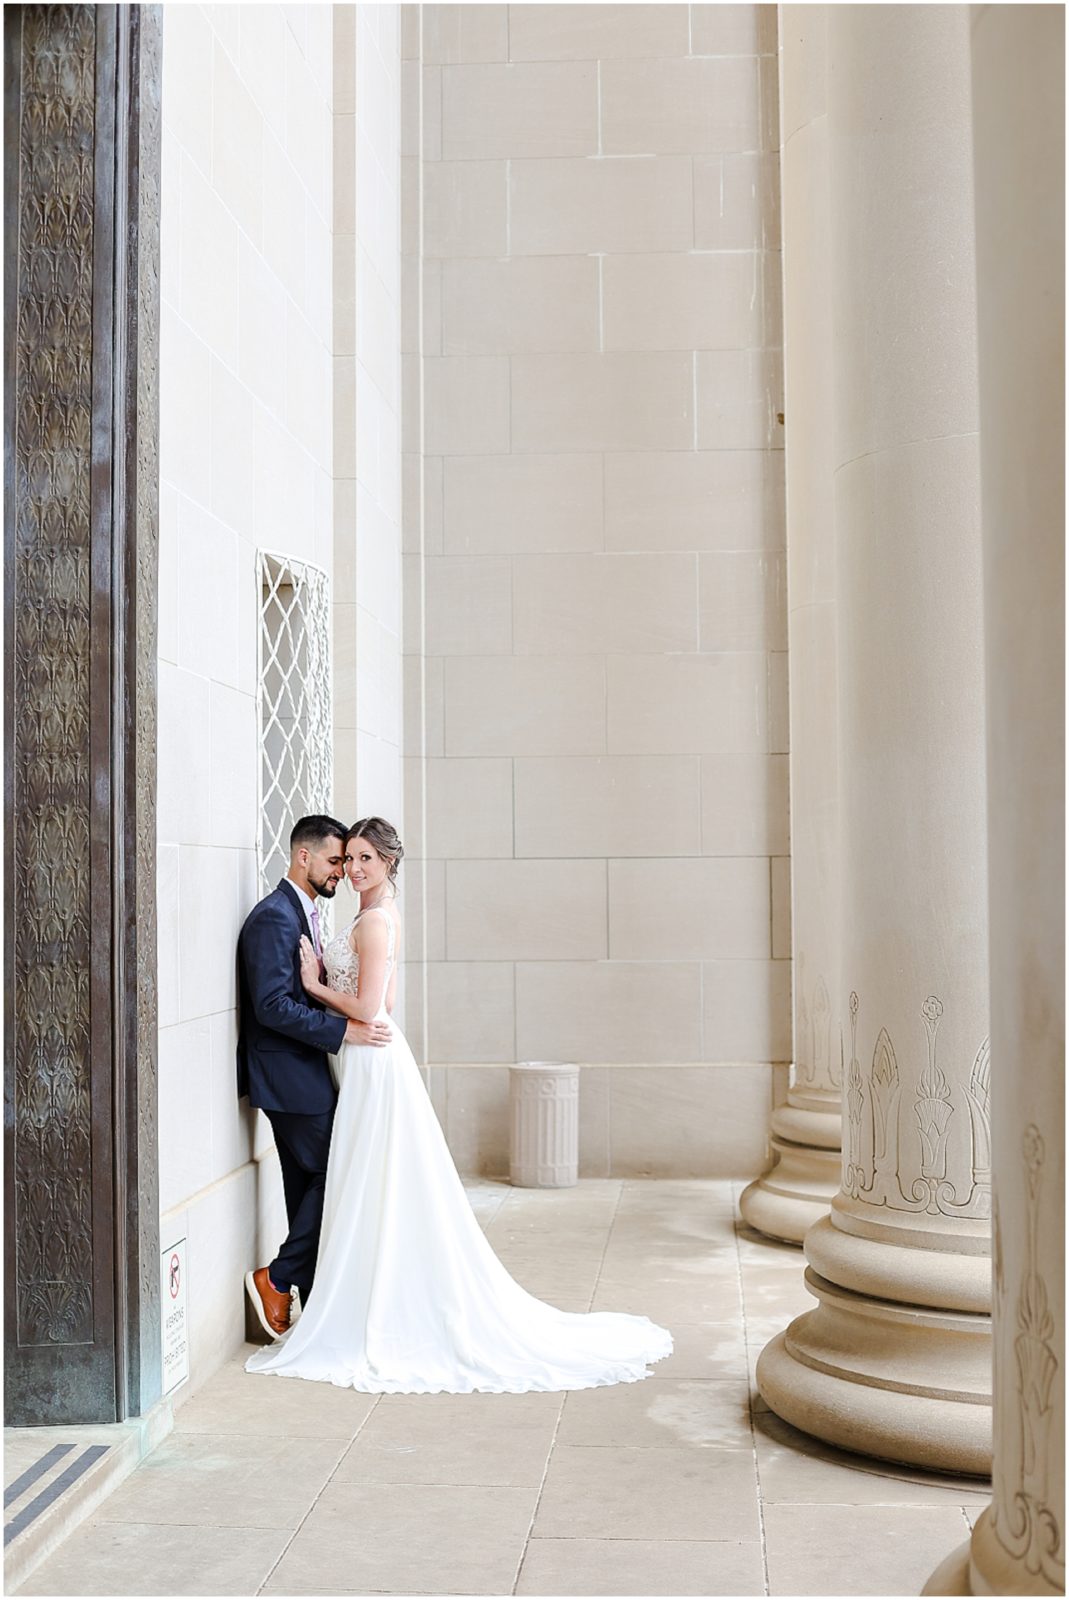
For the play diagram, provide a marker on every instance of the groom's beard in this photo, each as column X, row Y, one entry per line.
column 326, row 889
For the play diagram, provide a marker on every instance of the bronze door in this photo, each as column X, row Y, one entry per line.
column 81, row 214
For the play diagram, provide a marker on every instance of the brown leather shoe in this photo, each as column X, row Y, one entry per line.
column 272, row 1307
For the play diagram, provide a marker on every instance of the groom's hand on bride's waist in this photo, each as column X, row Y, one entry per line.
column 374, row 1033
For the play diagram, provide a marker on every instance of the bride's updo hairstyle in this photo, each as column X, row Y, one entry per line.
column 383, row 835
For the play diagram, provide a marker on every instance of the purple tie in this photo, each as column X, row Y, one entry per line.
column 313, row 917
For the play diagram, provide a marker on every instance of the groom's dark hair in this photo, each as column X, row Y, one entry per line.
column 313, row 830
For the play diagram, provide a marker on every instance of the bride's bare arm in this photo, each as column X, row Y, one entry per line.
column 358, row 1031
column 371, row 942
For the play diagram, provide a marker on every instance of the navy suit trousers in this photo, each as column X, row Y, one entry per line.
column 303, row 1144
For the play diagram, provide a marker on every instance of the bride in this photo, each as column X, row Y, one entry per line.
column 409, row 1297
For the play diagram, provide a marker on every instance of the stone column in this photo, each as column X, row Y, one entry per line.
column 1018, row 106
column 895, row 1359
column 805, row 1137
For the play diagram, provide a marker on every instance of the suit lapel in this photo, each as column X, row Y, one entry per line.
column 294, row 899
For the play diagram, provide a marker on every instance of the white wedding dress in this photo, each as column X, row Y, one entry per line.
column 409, row 1297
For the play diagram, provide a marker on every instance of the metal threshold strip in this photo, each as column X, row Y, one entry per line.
column 48, row 1496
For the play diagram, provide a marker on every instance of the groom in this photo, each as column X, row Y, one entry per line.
column 282, row 1062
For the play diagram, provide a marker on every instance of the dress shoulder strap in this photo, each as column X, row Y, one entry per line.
column 392, row 932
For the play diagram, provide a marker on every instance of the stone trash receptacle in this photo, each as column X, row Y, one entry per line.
column 544, row 1107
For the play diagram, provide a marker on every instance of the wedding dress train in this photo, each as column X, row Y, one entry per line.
column 409, row 1297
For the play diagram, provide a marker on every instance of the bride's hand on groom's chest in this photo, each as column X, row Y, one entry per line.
column 308, row 962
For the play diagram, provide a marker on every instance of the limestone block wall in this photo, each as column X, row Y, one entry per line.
column 367, row 412
column 596, row 717
column 245, row 453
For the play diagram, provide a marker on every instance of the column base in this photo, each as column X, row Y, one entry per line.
column 812, row 1119
column 925, row 1267
column 796, row 1192
column 900, row 1382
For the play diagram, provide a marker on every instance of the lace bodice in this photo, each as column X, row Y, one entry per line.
column 342, row 962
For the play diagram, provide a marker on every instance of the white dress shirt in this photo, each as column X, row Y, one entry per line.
column 307, row 904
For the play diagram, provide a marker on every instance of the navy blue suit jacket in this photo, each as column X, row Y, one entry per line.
column 284, row 1034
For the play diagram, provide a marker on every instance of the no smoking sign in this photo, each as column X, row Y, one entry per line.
column 173, row 1305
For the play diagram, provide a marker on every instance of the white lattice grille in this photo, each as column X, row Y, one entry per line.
column 293, row 697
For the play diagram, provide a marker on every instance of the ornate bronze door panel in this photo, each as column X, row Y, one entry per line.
column 81, row 219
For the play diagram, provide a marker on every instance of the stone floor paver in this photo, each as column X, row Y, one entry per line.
column 683, row 1484
column 113, row 1558
column 225, row 1481
column 641, row 1567
column 868, row 1550
column 486, row 1448
column 659, row 1411
column 231, row 1403
column 649, row 1492
column 795, row 1468
column 412, row 1538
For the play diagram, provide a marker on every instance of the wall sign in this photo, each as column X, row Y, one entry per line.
column 173, row 1304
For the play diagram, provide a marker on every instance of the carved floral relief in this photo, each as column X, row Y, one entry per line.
column 896, row 1148
column 817, row 1062
column 53, row 357
column 1022, row 1517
